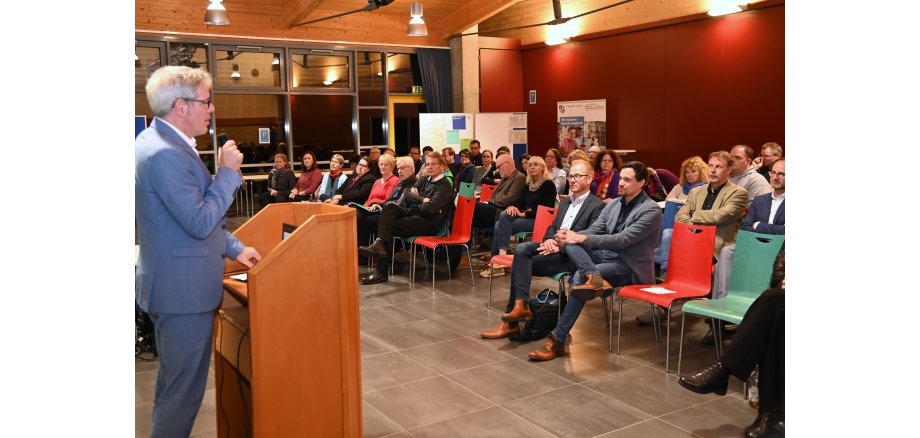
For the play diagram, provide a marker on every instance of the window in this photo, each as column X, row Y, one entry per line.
column 403, row 69
column 370, row 79
column 189, row 54
column 148, row 57
column 248, row 68
column 241, row 116
column 323, row 124
column 324, row 70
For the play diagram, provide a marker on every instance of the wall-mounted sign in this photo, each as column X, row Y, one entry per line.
column 533, row 97
column 416, row 89
column 264, row 136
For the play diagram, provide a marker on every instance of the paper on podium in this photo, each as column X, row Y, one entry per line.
column 658, row 290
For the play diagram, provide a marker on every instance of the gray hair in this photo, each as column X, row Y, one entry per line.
column 338, row 158
column 171, row 83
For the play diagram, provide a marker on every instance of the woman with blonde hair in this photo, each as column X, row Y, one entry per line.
column 520, row 216
column 693, row 173
column 281, row 181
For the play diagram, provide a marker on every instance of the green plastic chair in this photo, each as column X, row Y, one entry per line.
column 467, row 189
column 752, row 266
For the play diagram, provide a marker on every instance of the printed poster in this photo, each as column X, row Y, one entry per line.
column 582, row 124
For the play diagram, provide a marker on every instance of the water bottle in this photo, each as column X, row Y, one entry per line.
column 753, row 392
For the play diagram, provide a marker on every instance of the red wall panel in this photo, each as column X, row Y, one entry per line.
column 500, row 80
column 672, row 92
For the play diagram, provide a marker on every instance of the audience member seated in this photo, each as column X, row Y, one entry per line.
column 429, row 202
column 357, row 187
column 310, row 179
column 486, row 174
column 606, row 175
column 616, row 250
column 593, row 151
column 767, row 215
column 760, row 341
column 505, row 194
column 769, row 154
column 334, row 179
column 475, row 153
column 466, row 170
column 367, row 221
column 744, row 174
column 553, row 161
column 453, row 167
column 520, row 216
column 502, row 149
column 660, row 183
column 692, row 172
column 373, row 157
column 383, row 187
column 353, row 162
column 522, row 163
column 281, row 181
column 576, row 212
column 416, row 158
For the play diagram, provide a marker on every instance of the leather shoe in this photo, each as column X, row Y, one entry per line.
column 521, row 311
column 376, row 249
column 646, row 318
column 552, row 349
column 376, row 277
column 764, row 425
column 595, row 286
column 712, row 379
column 500, row 331
column 709, row 339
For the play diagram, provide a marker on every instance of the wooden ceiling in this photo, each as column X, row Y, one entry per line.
column 274, row 19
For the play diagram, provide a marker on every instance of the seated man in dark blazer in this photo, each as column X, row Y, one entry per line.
column 576, row 212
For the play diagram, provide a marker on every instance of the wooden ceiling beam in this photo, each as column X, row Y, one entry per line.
column 473, row 12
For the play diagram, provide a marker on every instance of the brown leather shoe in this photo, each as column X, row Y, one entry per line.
column 500, row 331
column 552, row 349
column 521, row 311
column 594, row 287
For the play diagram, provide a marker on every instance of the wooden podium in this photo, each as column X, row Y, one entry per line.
column 287, row 359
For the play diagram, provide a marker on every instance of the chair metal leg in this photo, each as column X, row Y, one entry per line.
column 619, row 319
column 469, row 256
column 489, row 303
column 717, row 337
column 656, row 322
column 680, row 350
column 606, row 310
column 434, row 260
column 667, row 343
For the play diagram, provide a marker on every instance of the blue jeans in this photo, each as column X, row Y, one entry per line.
column 505, row 226
column 664, row 248
column 528, row 264
column 603, row 262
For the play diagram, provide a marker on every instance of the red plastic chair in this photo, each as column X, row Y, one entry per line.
column 485, row 193
column 544, row 219
column 459, row 235
column 689, row 276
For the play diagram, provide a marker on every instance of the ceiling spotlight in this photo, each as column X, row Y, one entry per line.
column 236, row 71
column 216, row 14
column 725, row 7
column 276, row 61
column 416, row 24
column 379, row 73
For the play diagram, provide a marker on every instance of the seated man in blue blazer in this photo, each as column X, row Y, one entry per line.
column 576, row 212
column 180, row 212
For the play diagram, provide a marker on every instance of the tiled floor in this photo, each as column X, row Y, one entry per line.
column 427, row 373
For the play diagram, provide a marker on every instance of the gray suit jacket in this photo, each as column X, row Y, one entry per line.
column 636, row 244
column 181, row 225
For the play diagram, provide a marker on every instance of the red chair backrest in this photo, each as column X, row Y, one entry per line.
column 690, row 259
column 544, row 219
column 463, row 218
column 485, row 193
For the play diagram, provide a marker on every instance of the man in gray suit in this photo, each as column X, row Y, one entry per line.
column 576, row 212
column 619, row 248
column 183, row 236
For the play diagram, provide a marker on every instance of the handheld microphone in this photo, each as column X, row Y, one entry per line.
column 222, row 138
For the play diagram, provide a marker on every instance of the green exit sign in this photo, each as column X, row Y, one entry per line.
column 416, row 89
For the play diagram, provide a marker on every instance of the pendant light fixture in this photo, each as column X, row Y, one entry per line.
column 416, row 24
column 216, row 14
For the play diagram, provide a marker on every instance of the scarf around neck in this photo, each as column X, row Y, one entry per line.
column 687, row 186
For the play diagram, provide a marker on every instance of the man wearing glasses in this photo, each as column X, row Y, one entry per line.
column 767, row 215
column 507, row 192
column 368, row 222
column 180, row 209
column 576, row 212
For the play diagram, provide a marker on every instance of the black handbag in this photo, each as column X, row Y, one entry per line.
column 545, row 310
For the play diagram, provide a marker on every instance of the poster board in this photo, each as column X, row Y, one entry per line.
column 494, row 130
column 581, row 124
column 440, row 130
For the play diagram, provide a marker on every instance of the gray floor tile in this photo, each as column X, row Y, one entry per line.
column 454, row 355
column 403, row 294
column 425, row 402
column 648, row 390
column 144, row 365
column 390, row 369
column 372, row 347
column 586, row 361
column 376, row 424
column 206, row 434
column 367, row 303
column 651, row 428
column 509, row 380
column 413, row 334
column 722, row 417
column 373, row 319
column 575, row 411
column 439, row 306
column 469, row 323
column 507, row 346
column 494, row 422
